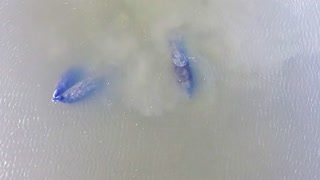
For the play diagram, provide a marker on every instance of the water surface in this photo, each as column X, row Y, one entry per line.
column 254, row 114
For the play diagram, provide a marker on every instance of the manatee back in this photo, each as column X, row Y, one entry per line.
column 71, row 77
column 82, row 89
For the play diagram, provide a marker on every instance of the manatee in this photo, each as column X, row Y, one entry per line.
column 72, row 76
column 81, row 90
column 181, row 65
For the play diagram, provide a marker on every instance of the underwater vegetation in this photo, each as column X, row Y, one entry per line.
column 75, row 85
column 181, row 65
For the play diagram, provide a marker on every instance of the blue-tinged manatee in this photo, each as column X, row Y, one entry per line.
column 81, row 90
column 181, row 65
column 72, row 76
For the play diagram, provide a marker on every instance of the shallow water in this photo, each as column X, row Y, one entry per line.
column 254, row 113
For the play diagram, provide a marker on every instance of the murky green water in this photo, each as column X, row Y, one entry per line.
column 253, row 115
